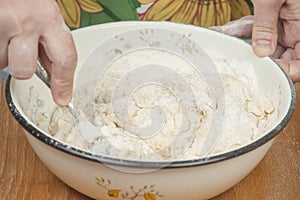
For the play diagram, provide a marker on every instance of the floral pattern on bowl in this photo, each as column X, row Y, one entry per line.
column 146, row 192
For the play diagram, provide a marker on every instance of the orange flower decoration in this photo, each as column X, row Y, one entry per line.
column 149, row 196
column 113, row 193
column 71, row 10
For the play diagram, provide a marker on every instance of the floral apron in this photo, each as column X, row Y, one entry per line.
column 205, row 13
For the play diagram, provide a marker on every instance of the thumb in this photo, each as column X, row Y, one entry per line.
column 265, row 32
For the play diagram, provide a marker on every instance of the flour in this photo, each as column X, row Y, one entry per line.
column 169, row 117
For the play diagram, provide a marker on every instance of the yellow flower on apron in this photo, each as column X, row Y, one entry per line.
column 203, row 13
column 71, row 10
column 239, row 8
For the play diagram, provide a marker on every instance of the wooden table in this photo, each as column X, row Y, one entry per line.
column 23, row 175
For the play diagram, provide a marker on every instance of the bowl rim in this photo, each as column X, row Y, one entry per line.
column 70, row 150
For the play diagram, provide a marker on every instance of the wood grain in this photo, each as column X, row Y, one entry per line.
column 23, row 175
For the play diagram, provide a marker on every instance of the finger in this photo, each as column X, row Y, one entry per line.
column 6, row 31
column 265, row 33
column 297, row 51
column 279, row 51
column 288, row 54
column 292, row 68
column 44, row 60
column 295, row 64
column 3, row 54
column 238, row 28
column 60, row 50
column 295, row 70
column 284, row 64
column 22, row 56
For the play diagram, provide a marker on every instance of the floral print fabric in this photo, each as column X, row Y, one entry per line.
column 205, row 13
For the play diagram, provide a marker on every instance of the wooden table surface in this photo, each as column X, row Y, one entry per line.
column 23, row 175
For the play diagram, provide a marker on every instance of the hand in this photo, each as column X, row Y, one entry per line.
column 276, row 32
column 276, row 28
column 32, row 29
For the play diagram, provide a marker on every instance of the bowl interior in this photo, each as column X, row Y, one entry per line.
column 271, row 79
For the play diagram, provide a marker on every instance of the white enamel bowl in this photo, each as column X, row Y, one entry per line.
column 104, row 177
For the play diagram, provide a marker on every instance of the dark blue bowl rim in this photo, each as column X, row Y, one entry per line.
column 148, row 164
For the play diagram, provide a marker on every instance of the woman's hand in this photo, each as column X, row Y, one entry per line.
column 275, row 32
column 32, row 29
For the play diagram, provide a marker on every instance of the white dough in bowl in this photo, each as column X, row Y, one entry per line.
column 248, row 113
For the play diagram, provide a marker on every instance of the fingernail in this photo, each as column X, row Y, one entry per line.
column 263, row 47
column 20, row 74
column 293, row 70
column 63, row 98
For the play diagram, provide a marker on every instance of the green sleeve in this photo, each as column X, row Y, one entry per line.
column 120, row 10
column 114, row 10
